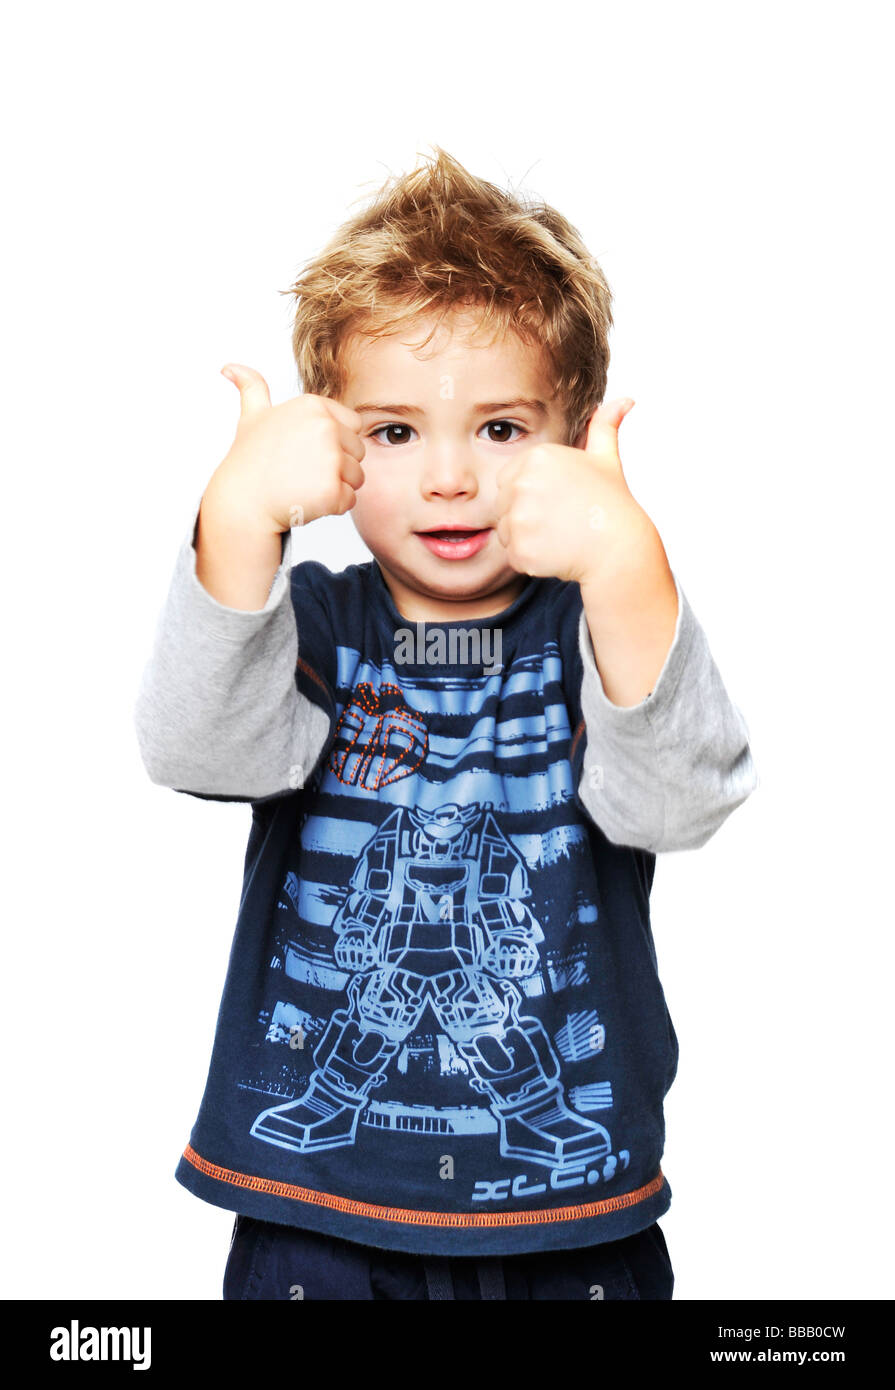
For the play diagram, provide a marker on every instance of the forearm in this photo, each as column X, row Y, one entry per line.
column 665, row 773
column 236, row 559
column 218, row 711
column 631, row 618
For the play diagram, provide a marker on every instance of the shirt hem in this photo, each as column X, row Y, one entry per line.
column 426, row 1232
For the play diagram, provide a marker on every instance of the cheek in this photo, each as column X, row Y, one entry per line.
column 373, row 507
column 384, row 492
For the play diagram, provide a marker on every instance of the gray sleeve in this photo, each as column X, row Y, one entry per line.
column 218, row 712
column 666, row 773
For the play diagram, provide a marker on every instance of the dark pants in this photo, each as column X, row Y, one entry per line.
column 269, row 1261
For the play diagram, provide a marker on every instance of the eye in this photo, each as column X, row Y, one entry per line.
column 394, row 426
column 505, row 425
column 407, row 430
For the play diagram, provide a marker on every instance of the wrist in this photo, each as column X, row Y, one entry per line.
column 225, row 511
column 620, row 534
column 619, row 576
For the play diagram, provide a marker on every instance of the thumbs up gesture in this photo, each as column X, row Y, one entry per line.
column 568, row 512
column 289, row 464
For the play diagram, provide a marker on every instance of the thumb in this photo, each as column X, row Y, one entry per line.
column 253, row 393
column 602, row 430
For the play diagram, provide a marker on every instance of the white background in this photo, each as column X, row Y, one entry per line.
column 167, row 170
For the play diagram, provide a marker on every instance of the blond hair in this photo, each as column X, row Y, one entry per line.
column 437, row 240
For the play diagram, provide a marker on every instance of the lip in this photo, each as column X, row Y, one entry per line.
column 455, row 550
column 452, row 526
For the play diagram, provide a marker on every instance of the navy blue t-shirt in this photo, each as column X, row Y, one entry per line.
column 442, row 1028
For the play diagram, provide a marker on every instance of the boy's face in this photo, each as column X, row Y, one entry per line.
column 434, row 463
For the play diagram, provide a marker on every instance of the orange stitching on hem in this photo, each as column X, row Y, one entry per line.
column 422, row 1218
column 578, row 733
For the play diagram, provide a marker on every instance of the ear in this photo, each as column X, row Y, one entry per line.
column 580, row 441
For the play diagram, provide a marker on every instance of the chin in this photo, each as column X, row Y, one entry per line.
column 470, row 586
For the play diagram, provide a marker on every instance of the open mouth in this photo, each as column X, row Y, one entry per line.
column 452, row 534
column 454, row 542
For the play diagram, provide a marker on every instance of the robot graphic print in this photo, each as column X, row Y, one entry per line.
column 437, row 918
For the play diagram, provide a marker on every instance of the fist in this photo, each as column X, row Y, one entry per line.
column 568, row 512
column 291, row 463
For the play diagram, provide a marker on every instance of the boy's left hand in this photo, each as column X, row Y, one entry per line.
column 569, row 513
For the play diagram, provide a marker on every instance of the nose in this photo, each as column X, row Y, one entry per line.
column 448, row 472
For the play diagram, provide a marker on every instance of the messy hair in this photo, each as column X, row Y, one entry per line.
column 438, row 240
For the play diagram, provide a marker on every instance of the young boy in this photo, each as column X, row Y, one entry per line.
column 443, row 1045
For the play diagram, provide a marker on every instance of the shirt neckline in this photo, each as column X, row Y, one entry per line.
column 490, row 619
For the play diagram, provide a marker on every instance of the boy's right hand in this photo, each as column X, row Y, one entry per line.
column 289, row 464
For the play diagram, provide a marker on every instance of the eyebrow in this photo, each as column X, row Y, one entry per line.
column 491, row 407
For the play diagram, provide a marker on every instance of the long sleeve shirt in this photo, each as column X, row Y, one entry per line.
column 442, row 1027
